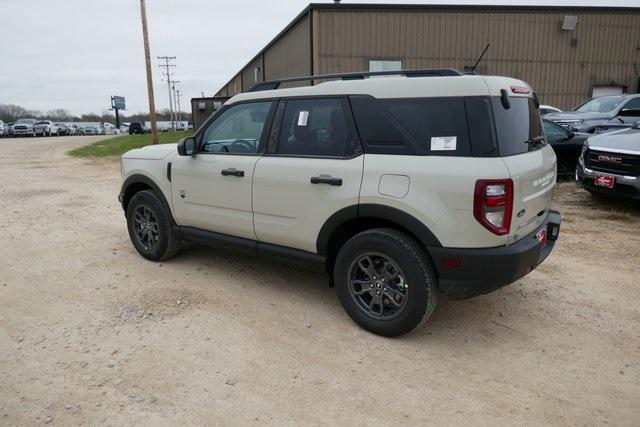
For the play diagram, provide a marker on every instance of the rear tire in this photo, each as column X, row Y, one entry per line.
column 151, row 228
column 376, row 265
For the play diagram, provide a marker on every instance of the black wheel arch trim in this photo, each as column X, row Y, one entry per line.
column 143, row 179
column 375, row 211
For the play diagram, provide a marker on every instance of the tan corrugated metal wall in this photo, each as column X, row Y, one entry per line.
column 290, row 55
column 526, row 45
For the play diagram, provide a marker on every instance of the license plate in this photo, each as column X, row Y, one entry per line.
column 605, row 181
column 541, row 236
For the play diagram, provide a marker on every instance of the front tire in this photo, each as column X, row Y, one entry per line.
column 385, row 282
column 150, row 227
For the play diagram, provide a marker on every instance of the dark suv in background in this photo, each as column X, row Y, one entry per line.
column 604, row 111
column 137, row 128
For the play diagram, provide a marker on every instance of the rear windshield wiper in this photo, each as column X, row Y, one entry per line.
column 535, row 140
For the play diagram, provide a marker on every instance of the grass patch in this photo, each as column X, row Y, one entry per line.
column 119, row 145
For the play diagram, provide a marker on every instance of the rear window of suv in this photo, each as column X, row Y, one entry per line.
column 517, row 125
column 452, row 126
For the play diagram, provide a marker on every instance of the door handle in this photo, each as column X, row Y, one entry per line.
column 326, row 179
column 232, row 172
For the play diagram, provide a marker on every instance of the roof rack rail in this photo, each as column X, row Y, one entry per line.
column 428, row 72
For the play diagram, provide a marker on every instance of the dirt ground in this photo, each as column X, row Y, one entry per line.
column 90, row 332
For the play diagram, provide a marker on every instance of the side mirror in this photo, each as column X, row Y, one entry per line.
column 570, row 134
column 187, row 146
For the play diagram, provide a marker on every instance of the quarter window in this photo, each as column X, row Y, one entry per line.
column 317, row 127
column 237, row 130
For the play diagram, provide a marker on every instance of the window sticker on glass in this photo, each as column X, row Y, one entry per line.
column 443, row 143
column 303, row 117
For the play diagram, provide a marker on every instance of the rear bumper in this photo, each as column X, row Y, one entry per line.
column 484, row 270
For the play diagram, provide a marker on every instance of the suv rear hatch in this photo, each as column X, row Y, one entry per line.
column 530, row 161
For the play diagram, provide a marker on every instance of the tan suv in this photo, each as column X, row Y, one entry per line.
column 399, row 188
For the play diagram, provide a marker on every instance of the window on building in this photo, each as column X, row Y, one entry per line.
column 385, row 65
column 317, row 127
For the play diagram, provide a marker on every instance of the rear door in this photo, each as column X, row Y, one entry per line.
column 312, row 169
column 532, row 166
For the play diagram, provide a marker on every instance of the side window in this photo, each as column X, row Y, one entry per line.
column 318, row 127
column 634, row 105
column 553, row 131
column 438, row 125
column 236, row 130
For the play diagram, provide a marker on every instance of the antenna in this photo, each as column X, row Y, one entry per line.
column 472, row 69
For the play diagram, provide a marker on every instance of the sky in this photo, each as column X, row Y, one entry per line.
column 75, row 54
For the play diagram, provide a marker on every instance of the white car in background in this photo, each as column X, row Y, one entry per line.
column 2, row 128
column 45, row 128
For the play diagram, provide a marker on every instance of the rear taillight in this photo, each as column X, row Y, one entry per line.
column 493, row 204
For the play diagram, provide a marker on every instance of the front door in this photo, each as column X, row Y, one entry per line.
column 313, row 170
column 212, row 189
column 630, row 112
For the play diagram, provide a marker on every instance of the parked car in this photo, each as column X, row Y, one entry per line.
column 548, row 109
column 92, row 130
column 63, row 129
column 137, row 128
column 180, row 127
column 610, row 164
column 377, row 182
column 45, row 128
column 124, row 127
column 8, row 129
column 566, row 144
column 24, row 127
column 3, row 129
column 601, row 111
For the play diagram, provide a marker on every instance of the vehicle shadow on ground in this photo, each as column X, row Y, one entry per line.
column 482, row 314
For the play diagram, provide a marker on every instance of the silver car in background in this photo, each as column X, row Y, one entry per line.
column 24, row 127
column 610, row 163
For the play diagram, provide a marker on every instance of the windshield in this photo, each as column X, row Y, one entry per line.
column 29, row 121
column 603, row 104
column 519, row 128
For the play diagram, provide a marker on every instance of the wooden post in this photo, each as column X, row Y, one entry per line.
column 147, row 58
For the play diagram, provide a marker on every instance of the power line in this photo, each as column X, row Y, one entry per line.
column 167, row 65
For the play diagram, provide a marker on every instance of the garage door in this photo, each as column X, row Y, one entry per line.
column 606, row 90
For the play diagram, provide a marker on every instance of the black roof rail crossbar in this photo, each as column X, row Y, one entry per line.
column 429, row 72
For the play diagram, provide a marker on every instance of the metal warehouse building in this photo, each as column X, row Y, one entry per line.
column 567, row 54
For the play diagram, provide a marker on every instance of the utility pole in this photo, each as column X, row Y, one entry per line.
column 167, row 65
column 179, row 109
column 147, row 58
column 175, row 98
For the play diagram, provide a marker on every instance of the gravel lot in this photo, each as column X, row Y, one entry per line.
column 90, row 332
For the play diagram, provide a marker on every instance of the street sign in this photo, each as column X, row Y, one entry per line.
column 118, row 103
